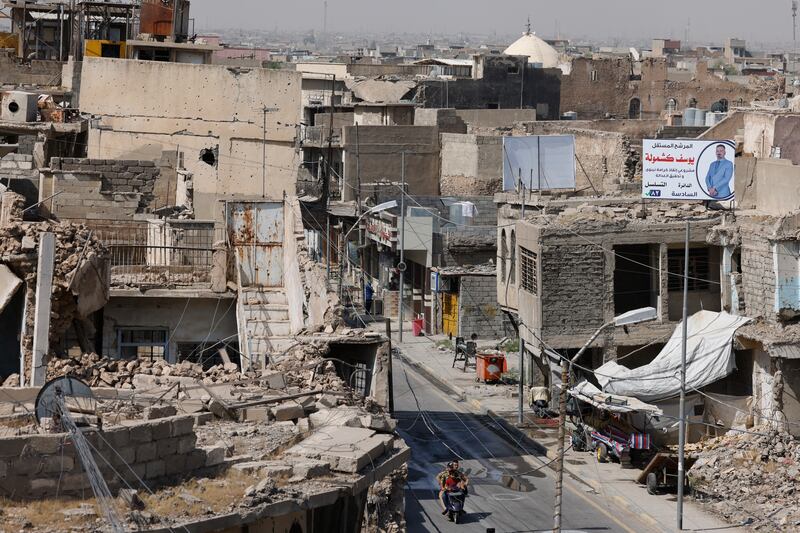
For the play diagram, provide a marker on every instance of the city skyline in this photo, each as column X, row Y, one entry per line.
column 609, row 20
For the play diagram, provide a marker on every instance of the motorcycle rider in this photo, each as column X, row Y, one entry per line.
column 450, row 479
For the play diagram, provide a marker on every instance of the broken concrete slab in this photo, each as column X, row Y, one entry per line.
column 347, row 449
column 287, row 411
column 309, row 469
column 342, row 416
column 9, row 283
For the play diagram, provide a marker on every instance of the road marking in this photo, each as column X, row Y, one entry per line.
column 530, row 460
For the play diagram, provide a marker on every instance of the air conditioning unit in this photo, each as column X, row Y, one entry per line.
column 19, row 106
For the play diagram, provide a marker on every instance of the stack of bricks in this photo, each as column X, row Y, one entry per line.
column 37, row 466
column 102, row 189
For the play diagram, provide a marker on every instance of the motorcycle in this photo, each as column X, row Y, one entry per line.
column 455, row 504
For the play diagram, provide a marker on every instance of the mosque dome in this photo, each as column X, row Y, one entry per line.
column 535, row 48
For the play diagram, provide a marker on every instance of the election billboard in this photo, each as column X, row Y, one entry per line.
column 688, row 169
column 539, row 162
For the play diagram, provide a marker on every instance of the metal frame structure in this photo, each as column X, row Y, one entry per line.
column 75, row 22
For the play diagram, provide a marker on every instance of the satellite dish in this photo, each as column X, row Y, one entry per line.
column 77, row 395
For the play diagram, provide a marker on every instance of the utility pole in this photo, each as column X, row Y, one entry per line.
column 521, row 348
column 402, row 265
column 682, row 427
column 358, row 215
column 562, row 429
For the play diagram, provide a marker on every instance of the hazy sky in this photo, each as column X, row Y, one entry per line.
column 711, row 20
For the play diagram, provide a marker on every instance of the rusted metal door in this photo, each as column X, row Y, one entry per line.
column 255, row 232
column 450, row 313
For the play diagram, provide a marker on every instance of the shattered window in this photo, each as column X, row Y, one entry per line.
column 137, row 343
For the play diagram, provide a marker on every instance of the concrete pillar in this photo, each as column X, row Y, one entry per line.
column 219, row 268
column 44, row 292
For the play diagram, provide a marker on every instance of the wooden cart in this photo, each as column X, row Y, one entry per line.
column 661, row 473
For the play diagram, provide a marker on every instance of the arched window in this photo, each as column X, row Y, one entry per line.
column 512, row 268
column 672, row 105
column 635, row 108
column 503, row 254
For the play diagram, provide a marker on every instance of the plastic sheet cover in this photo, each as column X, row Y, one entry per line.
column 709, row 358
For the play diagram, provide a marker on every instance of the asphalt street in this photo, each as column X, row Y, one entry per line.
column 511, row 486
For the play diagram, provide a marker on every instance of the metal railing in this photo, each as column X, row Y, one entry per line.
column 159, row 253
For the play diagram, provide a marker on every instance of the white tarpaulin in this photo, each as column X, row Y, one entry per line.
column 541, row 162
column 588, row 393
column 709, row 357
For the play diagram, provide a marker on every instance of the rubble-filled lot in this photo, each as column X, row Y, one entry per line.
column 293, row 433
column 750, row 478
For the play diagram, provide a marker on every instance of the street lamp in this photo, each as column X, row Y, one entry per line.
column 636, row 316
column 342, row 250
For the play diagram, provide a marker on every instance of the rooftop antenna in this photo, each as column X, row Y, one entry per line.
column 794, row 24
column 325, row 18
column 529, row 25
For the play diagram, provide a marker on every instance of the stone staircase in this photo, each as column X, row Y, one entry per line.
column 263, row 316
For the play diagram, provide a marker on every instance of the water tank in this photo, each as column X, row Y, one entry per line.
column 689, row 116
column 19, row 106
column 713, row 118
column 569, row 115
column 700, row 117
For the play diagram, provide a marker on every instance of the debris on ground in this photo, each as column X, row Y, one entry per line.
column 750, row 478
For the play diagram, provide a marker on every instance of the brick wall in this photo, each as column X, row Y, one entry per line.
column 102, row 188
column 478, row 311
column 38, row 466
column 758, row 275
column 575, row 288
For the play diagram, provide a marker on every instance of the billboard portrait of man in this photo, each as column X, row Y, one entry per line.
column 719, row 175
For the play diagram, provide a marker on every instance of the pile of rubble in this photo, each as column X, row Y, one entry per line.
column 99, row 371
column 751, row 478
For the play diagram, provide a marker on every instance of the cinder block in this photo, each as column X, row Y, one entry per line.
column 162, row 429
column 182, row 425
column 215, row 455
column 155, row 469
column 142, row 432
column 124, row 455
column 186, row 444
column 167, row 447
column 117, row 437
column 146, row 452
column 196, row 459
column 12, row 446
column 175, row 464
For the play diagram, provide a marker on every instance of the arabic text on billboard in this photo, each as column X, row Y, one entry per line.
column 539, row 162
column 688, row 170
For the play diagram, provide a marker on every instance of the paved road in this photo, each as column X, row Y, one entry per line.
column 509, row 492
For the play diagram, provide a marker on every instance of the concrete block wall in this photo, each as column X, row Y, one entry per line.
column 478, row 310
column 39, row 466
column 575, row 284
column 758, row 274
column 16, row 171
column 102, row 188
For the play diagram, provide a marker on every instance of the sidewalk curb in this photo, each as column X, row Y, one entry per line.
column 511, row 429
column 430, row 375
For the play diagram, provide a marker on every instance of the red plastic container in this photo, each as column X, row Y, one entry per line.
column 417, row 325
column 490, row 367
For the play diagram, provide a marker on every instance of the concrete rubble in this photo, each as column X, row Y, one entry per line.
column 750, row 478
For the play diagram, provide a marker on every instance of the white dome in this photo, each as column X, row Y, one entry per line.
column 535, row 48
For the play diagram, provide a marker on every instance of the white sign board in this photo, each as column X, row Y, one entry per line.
column 539, row 162
column 688, row 170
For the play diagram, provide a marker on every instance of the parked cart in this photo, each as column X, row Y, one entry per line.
column 661, row 473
